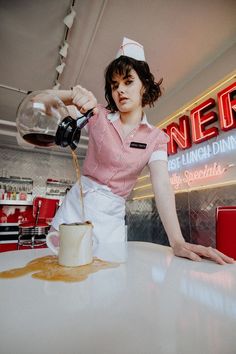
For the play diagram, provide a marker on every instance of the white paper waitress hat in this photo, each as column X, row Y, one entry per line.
column 131, row 49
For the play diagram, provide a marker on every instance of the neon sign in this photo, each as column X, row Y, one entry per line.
column 194, row 129
column 189, row 177
column 206, row 152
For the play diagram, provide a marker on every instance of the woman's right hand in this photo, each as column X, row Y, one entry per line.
column 83, row 99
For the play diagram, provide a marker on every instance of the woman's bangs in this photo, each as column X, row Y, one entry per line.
column 120, row 68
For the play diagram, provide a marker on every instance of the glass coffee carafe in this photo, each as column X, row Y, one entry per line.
column 44, row 120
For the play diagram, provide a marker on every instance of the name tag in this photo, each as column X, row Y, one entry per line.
column 137, row 145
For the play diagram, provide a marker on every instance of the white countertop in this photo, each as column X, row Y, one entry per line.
column 153, row 303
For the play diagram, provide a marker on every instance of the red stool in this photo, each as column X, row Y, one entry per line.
column 33, row 233
column 226, row 230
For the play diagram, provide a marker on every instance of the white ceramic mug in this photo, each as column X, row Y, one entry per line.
column 75, row 244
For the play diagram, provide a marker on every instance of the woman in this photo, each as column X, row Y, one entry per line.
column 121, row 143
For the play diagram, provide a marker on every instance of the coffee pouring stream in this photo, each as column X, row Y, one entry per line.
column 44, row 120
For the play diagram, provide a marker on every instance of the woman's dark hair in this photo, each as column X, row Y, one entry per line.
column 122, row 66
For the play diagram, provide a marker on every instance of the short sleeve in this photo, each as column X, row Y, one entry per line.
column 160, row 150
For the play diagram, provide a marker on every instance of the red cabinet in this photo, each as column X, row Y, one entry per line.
column 226, row 230
column 4, row 247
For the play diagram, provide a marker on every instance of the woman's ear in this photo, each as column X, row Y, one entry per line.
column 143, row 90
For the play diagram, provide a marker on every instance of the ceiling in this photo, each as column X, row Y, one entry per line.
column 180, row 38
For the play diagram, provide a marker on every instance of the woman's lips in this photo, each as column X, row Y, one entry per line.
column 123, row 99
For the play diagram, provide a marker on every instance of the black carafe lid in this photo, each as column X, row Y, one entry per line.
column 69, row 130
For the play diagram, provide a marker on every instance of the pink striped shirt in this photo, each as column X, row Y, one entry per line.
column 115, row 161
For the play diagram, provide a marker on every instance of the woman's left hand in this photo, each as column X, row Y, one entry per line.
column 197, row 252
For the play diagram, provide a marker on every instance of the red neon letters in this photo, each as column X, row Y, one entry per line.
column 181, row 136
column 227, row 108
column 200, row 120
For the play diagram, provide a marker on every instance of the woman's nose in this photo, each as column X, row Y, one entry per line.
column 121, row 89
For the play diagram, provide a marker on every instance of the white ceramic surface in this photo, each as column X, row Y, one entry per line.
column 153, row 303
column 75, row 244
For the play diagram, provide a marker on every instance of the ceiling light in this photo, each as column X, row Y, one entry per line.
column 60, row 68
column 63, row 50
column 69, row 19
column 56, row 86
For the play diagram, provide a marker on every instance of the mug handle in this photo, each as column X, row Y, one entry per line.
column 49, row 243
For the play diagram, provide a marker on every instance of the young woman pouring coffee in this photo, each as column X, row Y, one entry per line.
column 121, row 144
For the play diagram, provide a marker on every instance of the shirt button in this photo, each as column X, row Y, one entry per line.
column 132, row 135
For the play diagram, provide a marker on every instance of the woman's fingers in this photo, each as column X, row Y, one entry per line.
column 225, row 258
column 206, row 252
column 196, row 252
column 181, row 251
column 87, row 106
column 209, row 252
column 83, row 99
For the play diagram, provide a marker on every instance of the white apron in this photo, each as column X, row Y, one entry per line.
column 103, row 208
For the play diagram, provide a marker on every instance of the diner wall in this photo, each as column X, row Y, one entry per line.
column 36, row 165
column 196, row 213
column 196, row 209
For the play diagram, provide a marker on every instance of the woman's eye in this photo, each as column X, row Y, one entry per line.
column 128, row 82
column 114, row 87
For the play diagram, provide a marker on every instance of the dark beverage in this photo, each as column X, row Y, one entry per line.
column 40, row 139
column 77, row 169
column 47, row 268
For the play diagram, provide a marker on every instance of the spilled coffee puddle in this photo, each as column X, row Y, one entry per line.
column 47, row 268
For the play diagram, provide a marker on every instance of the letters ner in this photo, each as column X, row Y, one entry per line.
column 194, row 129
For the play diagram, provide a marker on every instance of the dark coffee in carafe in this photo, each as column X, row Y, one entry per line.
column 40, row 139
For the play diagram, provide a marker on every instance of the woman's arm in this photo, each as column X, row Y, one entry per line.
column 65, row 95
column 78, row 96
column 165, row 202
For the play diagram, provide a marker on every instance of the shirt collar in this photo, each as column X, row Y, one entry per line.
column 115, row 116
